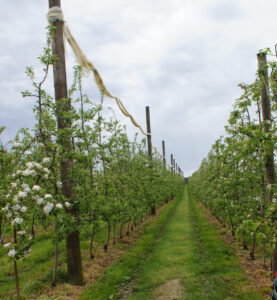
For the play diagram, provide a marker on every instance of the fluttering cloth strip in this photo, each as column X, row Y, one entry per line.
column 55, row 14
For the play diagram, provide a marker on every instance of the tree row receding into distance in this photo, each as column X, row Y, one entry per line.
column 237, row 179
column 73, row 174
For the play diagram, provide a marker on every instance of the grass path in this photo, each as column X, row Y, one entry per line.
column 180, row 256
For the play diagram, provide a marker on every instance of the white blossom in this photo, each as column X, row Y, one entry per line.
column 7, row 245
column 46, row 160
column 29, row 164
column 67, row 204
column 37, row 165
column 17, row 221
column 48, row 207
column 25, row 185
column 16, row 144
column 36, row 188
column 5, row 208
column 28, row 172
column 39, row 201
column 16, row 207
column 58, row 205
column 21, row 232
column 46, row 170
column 22, row 194
column 12, row 253
column 27, row 152
column 48, row 196
column 14, row 184
column 15, row 199
column 59, row 184
column 23, row 209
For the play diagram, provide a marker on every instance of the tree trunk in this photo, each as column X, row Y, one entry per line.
column 1, row 221
column 54, row 277
column 244, row 245
column 121, row 231
column 33, row 223
column 91, row 243
column 114, row 232
column 15, row 267
column 128, row 229
column 16, row 279
column 252, row 253
column 274, row 260
column 74, row 264
column 108, row 238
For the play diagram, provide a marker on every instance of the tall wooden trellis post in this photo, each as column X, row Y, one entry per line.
column 149, row 147
column 149, row 137
column 164, row 159
column 74, row 262
column 269, row 150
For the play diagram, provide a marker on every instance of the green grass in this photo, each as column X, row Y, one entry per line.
column 35, row 271
column 118, row 275
column 179, row 244
column 32, row 269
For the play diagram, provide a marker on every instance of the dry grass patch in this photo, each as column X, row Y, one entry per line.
column 170, row 290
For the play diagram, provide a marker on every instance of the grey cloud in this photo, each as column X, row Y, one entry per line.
column 182, row 61
column 226, row 11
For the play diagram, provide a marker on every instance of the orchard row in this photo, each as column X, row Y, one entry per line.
column 73, row 172
column 237, row 179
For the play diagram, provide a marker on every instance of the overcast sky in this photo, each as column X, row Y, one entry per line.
column 183, row 58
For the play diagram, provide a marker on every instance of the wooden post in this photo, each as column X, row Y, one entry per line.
column 171, row 162
column 74, row 263
column 174, row 170
column 269, row 150
column 266, row 114
column 149, row 144
column 164, row 160
column 149, row 137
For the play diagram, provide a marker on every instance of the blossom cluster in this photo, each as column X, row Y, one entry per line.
column 26, row 195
